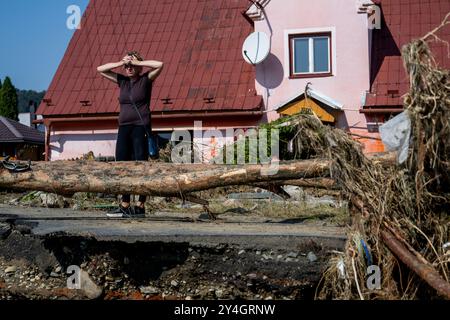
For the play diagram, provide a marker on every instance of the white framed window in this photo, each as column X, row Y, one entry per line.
column 310, row 55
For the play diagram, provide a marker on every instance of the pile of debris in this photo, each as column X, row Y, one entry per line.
column 400, row 214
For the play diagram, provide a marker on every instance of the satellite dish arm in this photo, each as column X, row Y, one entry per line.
column 256, row 3
column 245, row 52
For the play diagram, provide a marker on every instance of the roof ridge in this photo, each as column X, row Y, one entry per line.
column 6, row 122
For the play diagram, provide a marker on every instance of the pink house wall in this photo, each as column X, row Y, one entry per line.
column 73, row 140
column 350, row 36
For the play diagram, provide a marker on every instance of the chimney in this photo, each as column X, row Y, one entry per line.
column 32, row 107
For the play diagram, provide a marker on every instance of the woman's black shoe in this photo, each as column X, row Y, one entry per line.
column 139, row 212
column 121, row 212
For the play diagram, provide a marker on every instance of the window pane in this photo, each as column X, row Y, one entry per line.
column 321, row 54
column 301, row 55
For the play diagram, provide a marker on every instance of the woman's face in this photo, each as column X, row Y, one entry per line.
column 131, row 70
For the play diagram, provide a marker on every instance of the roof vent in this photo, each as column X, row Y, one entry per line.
column 167, row 100
column 209, row 100
column 392, row 93
column 86, row 103
column 48, row 102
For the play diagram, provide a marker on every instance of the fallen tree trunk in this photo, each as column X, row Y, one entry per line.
column 146, row 178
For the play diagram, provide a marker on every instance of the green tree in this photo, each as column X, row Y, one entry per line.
column 8, row 100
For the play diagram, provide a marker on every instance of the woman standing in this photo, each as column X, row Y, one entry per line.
column 134, row 117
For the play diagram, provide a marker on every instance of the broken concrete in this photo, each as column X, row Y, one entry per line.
column 164, row 256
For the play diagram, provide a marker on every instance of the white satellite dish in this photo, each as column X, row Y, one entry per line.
column 256, row 48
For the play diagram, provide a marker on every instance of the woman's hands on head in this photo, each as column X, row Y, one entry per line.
column 127, row 60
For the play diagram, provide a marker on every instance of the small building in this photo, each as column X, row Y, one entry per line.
column 19, row 141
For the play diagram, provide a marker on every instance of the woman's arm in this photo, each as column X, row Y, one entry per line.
column 105, row 70
column 157, row 67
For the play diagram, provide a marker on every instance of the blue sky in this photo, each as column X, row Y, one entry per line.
column 34, row 37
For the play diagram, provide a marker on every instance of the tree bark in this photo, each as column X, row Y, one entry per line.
column 146, row 178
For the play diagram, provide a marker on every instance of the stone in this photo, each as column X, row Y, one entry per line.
column 311, row 257
column 52, row 200
column 11, row 269
column 292, row 254
column 174, row 283
column 5, row 230
column 149, row 290
column 58, row 269
column 54, row 274
column 252, row 275
column 241, row 252
column 89, row 287
column 295, row 192
column 219, row 293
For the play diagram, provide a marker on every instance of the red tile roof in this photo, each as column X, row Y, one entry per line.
column 199, row 42
column 13, row 131
column 403, row 20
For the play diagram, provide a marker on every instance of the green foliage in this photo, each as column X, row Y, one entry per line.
column 297, row 131
column 251, row 144
column 8, row 100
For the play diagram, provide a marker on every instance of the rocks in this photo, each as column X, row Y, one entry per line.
column 11, row 269
column 311, row 257
column 292, row 255
column 5, row 230
column 174, row 283
column 52, row 200
column 149, row 290
column 219, row 293
column 89, row 287
column 295, row 192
